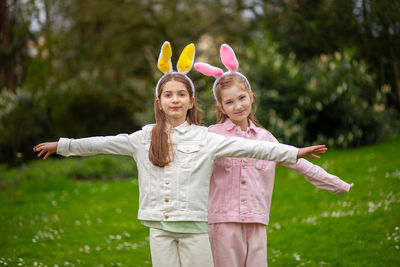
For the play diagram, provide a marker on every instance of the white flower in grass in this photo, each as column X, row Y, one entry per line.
column 296, row 256
column 77, row 223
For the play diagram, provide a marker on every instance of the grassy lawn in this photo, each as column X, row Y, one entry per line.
column 82, row 212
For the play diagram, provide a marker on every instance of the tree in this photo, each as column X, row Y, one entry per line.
column 371, row 28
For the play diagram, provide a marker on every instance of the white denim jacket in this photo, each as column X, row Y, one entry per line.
column 178, row 192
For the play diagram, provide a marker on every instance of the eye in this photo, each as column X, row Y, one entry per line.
column 183, row 94
column 167, row 95
column 242, row 97
column 228, row 102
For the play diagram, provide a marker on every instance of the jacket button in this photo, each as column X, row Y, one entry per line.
column 171, row 131
column 166, row 200
column 244, row 164
column 242, row 199
column 243, row 182
column 166, row 216
column 167, row 182
column 242, row 218
column 170, row 148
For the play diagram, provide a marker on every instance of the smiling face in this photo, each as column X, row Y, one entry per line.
column 235, row 102
column 175, row 101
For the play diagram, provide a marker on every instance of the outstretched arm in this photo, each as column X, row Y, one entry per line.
column 122, row 144
column 265, row 150
column 319, row 177
column 310, row 151
column 48, row 148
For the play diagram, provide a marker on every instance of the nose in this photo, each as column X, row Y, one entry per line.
column 238, row 106
column 175, row 98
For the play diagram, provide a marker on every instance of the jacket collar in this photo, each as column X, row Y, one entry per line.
column 182, row 128
column 229, row 126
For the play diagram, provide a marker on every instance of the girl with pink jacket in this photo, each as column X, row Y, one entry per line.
column 241, row 188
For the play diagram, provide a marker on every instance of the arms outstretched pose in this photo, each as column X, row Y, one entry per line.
column 241, row 189
column 175, row 158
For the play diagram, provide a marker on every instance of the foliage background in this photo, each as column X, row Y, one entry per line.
column 323, row 72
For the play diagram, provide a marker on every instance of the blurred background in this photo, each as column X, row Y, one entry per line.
column 323, row 71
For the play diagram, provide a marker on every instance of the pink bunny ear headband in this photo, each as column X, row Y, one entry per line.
column 184, row 65
column 229, row 60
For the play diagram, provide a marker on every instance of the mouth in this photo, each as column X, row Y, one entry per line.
column 239, row 113
column 175, row 108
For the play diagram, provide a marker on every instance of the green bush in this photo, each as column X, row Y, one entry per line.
column 75, row 108
column 330, row 99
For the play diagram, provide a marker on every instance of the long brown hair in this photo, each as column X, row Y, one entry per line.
column 225, row 83
column 159, row 153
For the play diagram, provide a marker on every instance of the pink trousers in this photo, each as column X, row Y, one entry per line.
column 238, row 244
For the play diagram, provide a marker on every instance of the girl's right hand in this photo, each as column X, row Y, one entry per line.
column 48, row 148
column 311, row 151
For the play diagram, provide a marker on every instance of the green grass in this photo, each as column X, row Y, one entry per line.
column 82, row 212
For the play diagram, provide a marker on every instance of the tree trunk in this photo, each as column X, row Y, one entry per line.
column 7, row 68
column 396, row 74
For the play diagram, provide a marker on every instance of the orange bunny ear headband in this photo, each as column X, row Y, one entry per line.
column 229, row 60
column 184, row 65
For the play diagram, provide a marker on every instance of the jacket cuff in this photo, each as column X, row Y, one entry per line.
column 293, row 155
column 63, row 146
column 346, row 188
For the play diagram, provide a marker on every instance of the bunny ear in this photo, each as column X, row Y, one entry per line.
column 228, row 57
column 186, row 59
column 208, row 70
column 164, row 59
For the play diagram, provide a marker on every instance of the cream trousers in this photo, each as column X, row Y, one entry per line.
column 170, row 249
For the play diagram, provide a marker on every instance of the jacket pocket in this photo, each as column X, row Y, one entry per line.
column 185, row 154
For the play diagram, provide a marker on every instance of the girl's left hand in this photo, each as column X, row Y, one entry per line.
column 48, row 148
column 311, row 151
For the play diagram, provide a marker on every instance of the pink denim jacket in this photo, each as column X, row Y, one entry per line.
column 241, row 188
